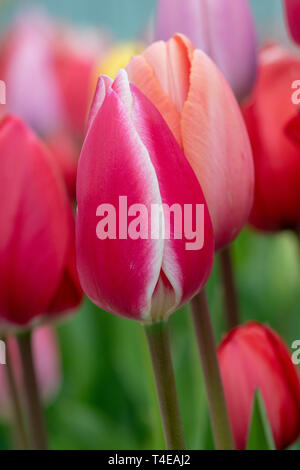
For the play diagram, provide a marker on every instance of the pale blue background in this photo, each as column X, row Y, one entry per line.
column 127, row 18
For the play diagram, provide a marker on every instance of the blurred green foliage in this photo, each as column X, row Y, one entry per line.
column 107, row 399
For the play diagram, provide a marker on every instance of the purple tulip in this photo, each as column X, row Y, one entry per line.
column 224, row 29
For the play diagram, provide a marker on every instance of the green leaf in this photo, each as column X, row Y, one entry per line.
column 260, row 434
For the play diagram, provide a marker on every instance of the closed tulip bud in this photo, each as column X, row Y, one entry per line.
column 47, row 363
column 201, row 111
column 224, row 29
column 254, row 357
column 271, row 116
column 35, row 225
column 130, row 167
column 292, row 10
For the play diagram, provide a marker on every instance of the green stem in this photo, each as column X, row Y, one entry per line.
column 214, row 388
column 230, row 294
column 16, row 408
column 159, row 347
column 35, row 414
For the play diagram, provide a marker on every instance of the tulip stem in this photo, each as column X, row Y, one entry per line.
column 35, row 416
column 159, row 347
column 214, row 388
column 231, row 305
column 16, row 408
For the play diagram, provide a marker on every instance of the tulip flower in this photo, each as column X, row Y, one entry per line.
column 292, row 10
column 201, row 111
column 47, row 362
column 35, row 226
column 224, row 29
column 55, row 66
column 254, row 357
column 27, row 64
column 271, row 118
column 131, row 163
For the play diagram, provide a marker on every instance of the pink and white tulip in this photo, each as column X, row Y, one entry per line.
column 130, row 151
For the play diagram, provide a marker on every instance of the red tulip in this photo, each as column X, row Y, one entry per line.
column 130, row 158
column 254, row 357
column 200, row 109
column 35, row 225
column 292, row 9
column 47, row 363
column 271, row 118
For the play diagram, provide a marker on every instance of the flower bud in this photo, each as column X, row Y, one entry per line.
column 254, row 357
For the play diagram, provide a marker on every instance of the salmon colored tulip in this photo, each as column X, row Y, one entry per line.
column 271, row 117
column 223, row 29
column 200, row 109
column 47, row 363
column 36, row 226
column 123, row 266
column 254, row 357
column 292, row 10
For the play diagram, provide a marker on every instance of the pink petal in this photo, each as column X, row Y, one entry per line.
column 118, row 275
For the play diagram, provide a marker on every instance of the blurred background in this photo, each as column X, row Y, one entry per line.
column 107, row 398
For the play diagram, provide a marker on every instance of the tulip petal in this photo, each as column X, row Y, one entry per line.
column 232, row 43
column 142, row 75
column 33, row 224
column 119, row 275
column 69, row 293
column 102, row 86
column 217, row 146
